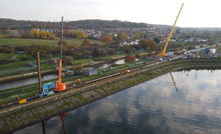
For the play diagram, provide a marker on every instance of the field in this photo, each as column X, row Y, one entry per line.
column 18, row 41
column 6, row 56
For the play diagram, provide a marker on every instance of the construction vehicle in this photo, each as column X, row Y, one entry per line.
column 59, row 86
column 197, row 54
column 168, row 39
column 174, row 83
column 45, row 89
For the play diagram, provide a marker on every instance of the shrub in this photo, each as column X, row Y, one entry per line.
column 68, row 60
column 133, row 50
column 111, row 51
column 127, row 50
column 78, row 68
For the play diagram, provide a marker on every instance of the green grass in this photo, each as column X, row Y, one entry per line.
column 22, row 56
column 47, row 66
column 6, row 56
column 18, row 64
column 81, row 61
column 21, row 41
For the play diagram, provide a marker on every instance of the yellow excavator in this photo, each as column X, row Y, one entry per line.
column 168, row 39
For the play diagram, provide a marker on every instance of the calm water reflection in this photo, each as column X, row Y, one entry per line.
column 151, row 107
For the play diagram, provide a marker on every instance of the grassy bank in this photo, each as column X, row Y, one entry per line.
column 22, row 41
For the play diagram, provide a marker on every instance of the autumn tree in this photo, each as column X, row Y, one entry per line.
column 130, row 58
column 76, row 46
column 86, row 42
column 43, row 35
column 143, row 43
column 106, row 39
column 1, row 36
column 148, row 44
column 50, row 36
column 74, row 33
column 81, row 35
column 137, row 36
column 34, row 34
column 152, row 44
column 123, row 36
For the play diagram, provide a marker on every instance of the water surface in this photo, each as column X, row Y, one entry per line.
column 150, row 107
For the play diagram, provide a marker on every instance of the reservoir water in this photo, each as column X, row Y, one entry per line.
column 150, row 107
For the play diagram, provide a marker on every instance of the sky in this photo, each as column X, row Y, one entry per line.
column 195, row 13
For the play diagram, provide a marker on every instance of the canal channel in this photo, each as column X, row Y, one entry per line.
column 26, row 81
column 155, row 106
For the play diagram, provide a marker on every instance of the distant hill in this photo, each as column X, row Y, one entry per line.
column 85, row 24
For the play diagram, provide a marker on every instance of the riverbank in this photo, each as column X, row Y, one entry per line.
column 20, row 116
column 50, row 71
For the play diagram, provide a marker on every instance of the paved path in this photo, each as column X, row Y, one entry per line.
column 15, row 56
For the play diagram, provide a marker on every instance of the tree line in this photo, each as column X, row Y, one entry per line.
column 86, row 24
column 36, row 34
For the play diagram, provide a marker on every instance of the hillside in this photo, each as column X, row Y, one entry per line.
column 86, row 24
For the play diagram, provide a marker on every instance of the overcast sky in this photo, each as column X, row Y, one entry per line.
column 195, row 13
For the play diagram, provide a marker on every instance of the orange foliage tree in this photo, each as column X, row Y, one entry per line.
column 35, row 34
column 106, row 39
column 123, row 36
column 148, row 44
column 86, row 42
column 131, row 58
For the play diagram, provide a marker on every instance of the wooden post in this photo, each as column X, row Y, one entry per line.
column 39, row 73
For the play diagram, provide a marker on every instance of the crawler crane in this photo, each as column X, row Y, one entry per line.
column 168, row 39
column 59, row 86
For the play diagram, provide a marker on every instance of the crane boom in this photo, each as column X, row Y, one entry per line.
column 168, row 39
column 59, row 86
